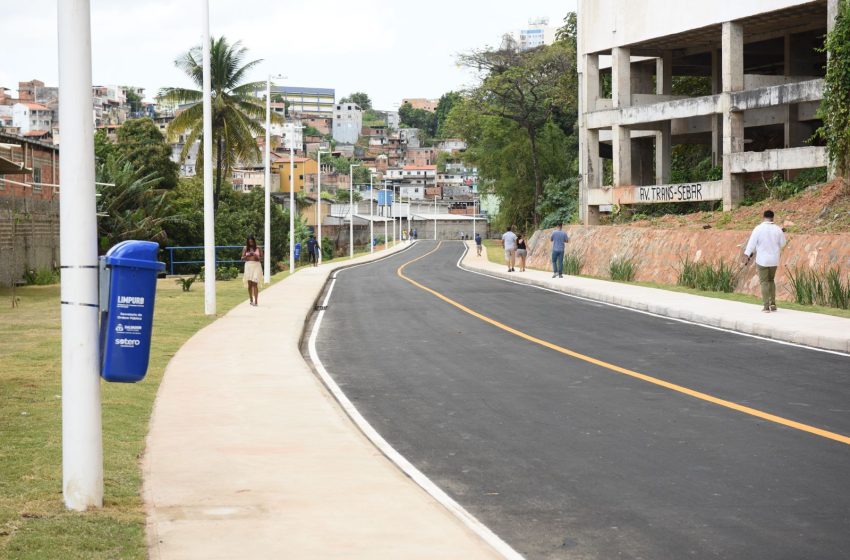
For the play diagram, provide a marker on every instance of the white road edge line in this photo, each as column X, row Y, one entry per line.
column 397, row 458
column 650, row 313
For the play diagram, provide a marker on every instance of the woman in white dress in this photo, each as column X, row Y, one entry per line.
column 253, row 256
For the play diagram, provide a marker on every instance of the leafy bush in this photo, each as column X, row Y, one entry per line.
column 41, row 277
column 622, row 269
column 327, row 248
column 222, row 273
column 706, row 276
column 573, row 263
column 826, row 288
column 186, row 283
column 779, row 188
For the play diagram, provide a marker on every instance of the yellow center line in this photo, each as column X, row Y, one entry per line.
column 612, row 367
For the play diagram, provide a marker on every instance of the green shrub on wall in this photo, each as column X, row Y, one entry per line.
column 835, row 107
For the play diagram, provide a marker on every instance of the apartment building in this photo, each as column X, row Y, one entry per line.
column 348, row 122
column 429, row 105
column 305, row 100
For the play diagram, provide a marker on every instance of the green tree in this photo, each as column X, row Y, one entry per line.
column 236, row 111
column 444, row 107
column 239, row 215
column 130, row 205
column 361, row 99
column 526, row 88
column 835, row 107
column 134, row 100
column 142, row 144
column 425, row 121
column 103, row 146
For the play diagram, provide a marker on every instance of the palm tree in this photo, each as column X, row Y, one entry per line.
column 236, row 112
column 131, row 205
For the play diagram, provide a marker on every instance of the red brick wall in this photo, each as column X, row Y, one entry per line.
column 40, row 160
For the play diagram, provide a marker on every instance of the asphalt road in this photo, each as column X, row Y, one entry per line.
column 566, row 459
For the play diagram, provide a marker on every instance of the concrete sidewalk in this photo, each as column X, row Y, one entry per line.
column 809, row 329
column 248, row 456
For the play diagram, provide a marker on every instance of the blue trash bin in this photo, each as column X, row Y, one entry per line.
column 297, row 251
column 127, row 320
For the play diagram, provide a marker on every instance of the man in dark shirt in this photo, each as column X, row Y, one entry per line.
column 312, row 250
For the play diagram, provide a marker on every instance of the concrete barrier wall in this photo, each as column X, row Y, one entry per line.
column 29, row 236
column 659, row 252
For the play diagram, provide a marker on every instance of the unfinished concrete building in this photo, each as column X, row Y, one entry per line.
column 763, row 61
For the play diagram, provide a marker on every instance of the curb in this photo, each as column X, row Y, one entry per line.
column 839, row 344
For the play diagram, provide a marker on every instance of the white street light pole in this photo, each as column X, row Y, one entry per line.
column 386, row 233
column 319, row 152
column 82, row 445
column 209, row 210
column 292, row 204
column 267, row 233
column 392, row 214
column 351, row 210
column 473, row 215
column 292, row 198
column 371, row 217
column 435, row 217
column 409, row 224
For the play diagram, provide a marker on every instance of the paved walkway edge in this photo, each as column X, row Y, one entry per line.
column 815, row 330
column 249, row 456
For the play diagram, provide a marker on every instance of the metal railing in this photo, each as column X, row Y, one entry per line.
column 172, row 262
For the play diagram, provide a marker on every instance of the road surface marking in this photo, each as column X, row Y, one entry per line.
column 643, row 377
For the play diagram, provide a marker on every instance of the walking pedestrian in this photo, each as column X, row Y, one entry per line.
column 313, row 250
column 509, row 244
column 478, row 243
column 253, row 275
column 415, row 236
column 521, row 251
column 559, row 240
column 766, row 241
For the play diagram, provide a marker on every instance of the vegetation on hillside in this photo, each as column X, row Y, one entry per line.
column 520, row 126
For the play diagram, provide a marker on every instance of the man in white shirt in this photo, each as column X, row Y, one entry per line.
column 767, row 240
column 509, row 243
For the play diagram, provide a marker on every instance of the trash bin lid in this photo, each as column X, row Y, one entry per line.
column 136, row 254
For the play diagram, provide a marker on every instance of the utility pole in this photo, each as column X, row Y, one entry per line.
column 209, row 207
column 82, row 444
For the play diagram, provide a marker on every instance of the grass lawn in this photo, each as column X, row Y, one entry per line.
column 34, row 523
column 496, row 255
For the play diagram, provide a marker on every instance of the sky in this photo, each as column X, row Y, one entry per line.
column 389, row 49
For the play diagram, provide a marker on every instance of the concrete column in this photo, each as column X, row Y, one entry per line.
column 716, row 120
column 621, row 82
column 663, row 138
column 732, row 65
column 663, row 154
column 622, row 148
column 590, row 85
column 642, row 74
column 664, row 74
column 588, row 139
column 593, row 163
column 621, row 79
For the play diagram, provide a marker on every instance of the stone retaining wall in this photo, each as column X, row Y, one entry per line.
column 659, row 252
